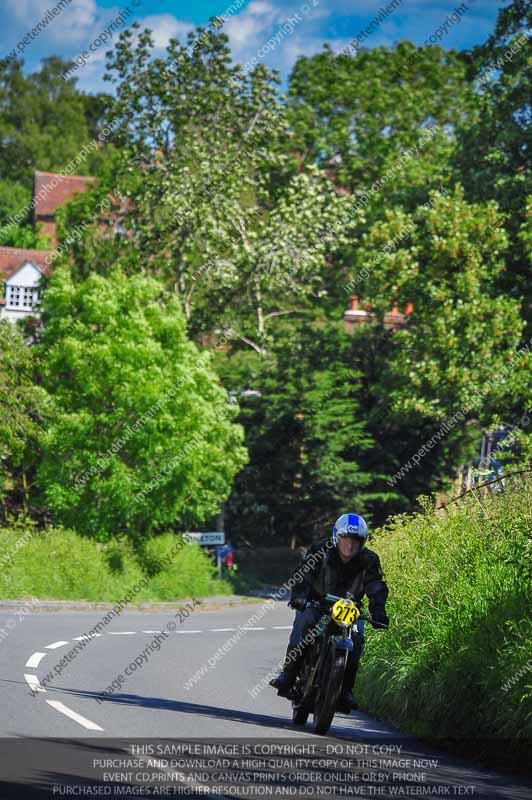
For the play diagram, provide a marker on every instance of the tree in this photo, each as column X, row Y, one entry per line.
column 217, row 207
column 23, row 409
column 23, row 236
column 494, row 159
column 463, row 331
column 382, row 124
column 356, row 115
column 144, row 437
column 311, row 455
column 44, row 121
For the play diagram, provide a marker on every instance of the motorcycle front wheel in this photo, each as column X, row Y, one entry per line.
column 331, row 678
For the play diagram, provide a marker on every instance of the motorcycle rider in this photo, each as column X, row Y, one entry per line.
column 341, row 565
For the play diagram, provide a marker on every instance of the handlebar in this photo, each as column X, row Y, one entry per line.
column 332, row 598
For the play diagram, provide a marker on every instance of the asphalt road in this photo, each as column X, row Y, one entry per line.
column 204, row 682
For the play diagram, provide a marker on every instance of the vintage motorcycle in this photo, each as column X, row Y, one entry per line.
column 319, row 683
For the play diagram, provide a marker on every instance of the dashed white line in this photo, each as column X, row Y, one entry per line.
column 86, row 723
column 34, row 660
column 33, row 683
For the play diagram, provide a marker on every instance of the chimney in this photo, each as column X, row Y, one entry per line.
column 393, row 320
column 409, row 308
column 354, row 315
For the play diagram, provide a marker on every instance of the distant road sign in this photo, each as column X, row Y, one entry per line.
column 210, row 538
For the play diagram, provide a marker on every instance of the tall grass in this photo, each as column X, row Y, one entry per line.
column 61, row 565
column 453, row 664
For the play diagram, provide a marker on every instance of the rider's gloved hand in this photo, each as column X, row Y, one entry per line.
column 299, row 603
column 380, row 618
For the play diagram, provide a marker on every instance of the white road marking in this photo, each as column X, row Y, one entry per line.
column 34, row 660
column 33, row 683
column 86, row 723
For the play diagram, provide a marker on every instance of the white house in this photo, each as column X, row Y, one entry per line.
column 21, row 270
column 20, row 273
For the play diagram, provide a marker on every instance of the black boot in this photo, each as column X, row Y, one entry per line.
column 346, row 701
column 286, row 679
column 283, row 683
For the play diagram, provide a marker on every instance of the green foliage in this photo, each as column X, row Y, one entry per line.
column 493, row 156
column 399, row 173
column 23, row 408
column 217, row 201
column 311, row 455
column 143, row 436
column 451, row 664
column 23, row 236
column 358, row 114
column 462, row 328
column 44, row 121
column 57, row 564
column 190, row 572
column 13, row 197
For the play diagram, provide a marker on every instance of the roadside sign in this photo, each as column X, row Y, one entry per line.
column 209, row 538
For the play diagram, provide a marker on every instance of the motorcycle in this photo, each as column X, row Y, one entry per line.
column 319, row 682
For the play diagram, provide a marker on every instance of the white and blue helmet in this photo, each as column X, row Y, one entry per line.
column 350, row 525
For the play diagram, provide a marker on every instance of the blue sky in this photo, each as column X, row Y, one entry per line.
column 249, row 28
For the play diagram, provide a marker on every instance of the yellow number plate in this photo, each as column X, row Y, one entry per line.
column 345, row 612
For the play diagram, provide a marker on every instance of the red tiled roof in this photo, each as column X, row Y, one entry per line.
column 57, row 191
column 12, row 258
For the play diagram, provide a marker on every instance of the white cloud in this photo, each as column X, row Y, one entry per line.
column 250, row 30
column 258, row 7
column 260, row 22
column 70, row 26
column 166, row 27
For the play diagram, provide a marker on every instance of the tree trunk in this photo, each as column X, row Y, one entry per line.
column 260, row 310
column 26, row 491
column 181, row 289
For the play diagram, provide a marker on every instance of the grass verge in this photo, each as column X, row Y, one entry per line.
column 456, row 663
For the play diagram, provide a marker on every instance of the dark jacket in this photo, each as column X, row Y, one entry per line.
column 323, row 572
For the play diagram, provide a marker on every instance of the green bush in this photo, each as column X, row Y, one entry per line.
column 189, row 572
column 454, row 663
column 58, row 564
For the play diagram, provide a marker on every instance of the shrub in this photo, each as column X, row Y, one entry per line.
column 60, row 564
column 454, row 663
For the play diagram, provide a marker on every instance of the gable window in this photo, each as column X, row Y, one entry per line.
column 13, row 296
column 22, row 297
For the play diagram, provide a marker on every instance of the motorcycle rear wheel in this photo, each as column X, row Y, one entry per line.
column 331, row 680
